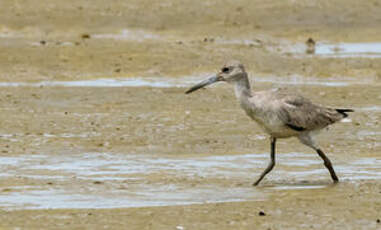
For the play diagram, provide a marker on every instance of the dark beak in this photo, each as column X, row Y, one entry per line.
column 202, row 84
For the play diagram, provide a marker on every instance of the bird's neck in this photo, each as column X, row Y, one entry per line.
column 242, row 88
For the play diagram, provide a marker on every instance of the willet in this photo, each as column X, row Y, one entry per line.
column 281, row 113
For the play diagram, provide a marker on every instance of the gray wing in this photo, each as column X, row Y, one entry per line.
column 301, row 114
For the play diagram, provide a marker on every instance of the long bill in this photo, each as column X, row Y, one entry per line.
column 202, row 84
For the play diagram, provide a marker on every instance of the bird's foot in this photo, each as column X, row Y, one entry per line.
column 256, row 183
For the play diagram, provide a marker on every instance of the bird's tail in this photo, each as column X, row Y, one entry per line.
column 344, row 112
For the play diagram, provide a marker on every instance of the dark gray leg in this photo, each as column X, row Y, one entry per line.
column 328, row 165
column 271, row 163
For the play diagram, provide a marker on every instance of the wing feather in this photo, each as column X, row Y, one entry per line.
column 300, row 114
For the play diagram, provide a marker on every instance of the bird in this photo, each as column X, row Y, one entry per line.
column 310, row 43
column 280, row 112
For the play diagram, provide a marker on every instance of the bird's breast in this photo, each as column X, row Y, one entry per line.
column 269, row 122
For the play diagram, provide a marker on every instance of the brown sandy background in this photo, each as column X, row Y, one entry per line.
column 46, row 41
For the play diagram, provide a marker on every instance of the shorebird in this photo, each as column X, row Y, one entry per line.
column 279, row 112
column 310, row 43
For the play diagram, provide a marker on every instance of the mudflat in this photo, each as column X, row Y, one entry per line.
column 97, row 133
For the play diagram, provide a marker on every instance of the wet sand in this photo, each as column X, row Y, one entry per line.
column 97, row 133
column 71, row 151
column 345, row 206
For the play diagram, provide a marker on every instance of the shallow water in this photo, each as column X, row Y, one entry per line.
column 333, row 50
column 346, row 50
column 161, row 82
column 129, row 34
column 131, row 173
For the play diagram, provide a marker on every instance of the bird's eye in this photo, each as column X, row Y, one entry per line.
column 225, row 70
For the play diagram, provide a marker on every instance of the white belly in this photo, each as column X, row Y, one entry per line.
column 275, row 129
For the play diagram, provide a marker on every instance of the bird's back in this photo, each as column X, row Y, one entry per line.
column 283, row 113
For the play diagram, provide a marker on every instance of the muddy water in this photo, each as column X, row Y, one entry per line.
column 188, row 81
column 131, row 173
column 365, row 50
column 324, row 49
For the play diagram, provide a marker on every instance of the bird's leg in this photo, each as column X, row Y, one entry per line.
column 271, row 163
column 307, row 140
column 328, row 165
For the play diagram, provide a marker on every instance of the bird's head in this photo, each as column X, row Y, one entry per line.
column 231, row 72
